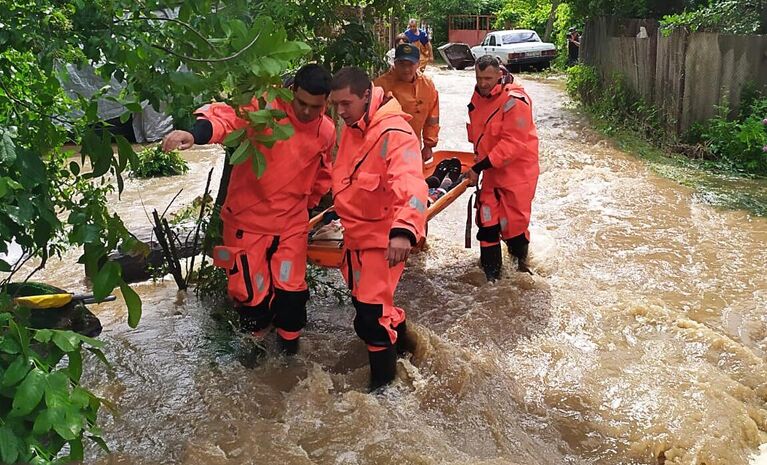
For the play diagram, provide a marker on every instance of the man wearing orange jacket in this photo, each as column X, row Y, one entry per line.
column 380, row 195
column 506, row 146
column 417, row 95
column 265, row 220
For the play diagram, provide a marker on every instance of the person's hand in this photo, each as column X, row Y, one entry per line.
column 177, row 139
column 473, row 177
column 398, row 251
column 426, row 153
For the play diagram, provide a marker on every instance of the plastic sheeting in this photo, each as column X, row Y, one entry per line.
column 149, row 125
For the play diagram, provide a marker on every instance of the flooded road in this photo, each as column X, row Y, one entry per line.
column 641, row 339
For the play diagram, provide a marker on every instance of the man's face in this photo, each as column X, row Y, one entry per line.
column 487, row 79
column 349, row 106
column 307, row 107
column 413, row 27
column 405, row 70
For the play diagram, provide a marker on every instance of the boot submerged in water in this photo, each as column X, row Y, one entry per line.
column 519, row 248
column 491, row 260
column 383, row 367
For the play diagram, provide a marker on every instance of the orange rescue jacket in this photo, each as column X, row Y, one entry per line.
column 420, row 100
column 378, row 185
column 502, row 130
column 297, row 171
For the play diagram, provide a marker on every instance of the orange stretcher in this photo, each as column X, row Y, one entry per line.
column 328, row 253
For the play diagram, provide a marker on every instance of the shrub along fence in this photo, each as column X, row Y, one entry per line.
column 685, row 75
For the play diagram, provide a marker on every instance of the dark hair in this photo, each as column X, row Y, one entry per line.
column 314, row 79
column 354, row 78
column 487, row 60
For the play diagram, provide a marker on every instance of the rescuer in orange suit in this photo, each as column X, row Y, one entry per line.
column 506, row 146
column 266, row 219
column 380, row 195
column 417, row 95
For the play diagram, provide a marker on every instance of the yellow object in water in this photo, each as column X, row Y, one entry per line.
column 39, row 302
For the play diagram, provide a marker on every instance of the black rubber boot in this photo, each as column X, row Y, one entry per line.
column 289, row 347
column 403, row 344
column 256, row 318
column 491, row 260
column 383, row 367
column 518, row 247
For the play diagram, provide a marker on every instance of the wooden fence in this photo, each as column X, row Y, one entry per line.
column 686, row 75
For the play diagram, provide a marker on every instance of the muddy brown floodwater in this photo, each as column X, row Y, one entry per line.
column 641, row 339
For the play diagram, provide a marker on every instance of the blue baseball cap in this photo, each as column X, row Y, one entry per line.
column 407, row 52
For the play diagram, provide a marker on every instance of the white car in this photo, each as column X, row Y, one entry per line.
column 517, row 47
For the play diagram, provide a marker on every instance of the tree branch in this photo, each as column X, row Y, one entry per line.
column 209, row 60
column 172, row 20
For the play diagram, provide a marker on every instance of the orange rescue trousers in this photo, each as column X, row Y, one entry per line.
column 372, row 284
column 266, row 277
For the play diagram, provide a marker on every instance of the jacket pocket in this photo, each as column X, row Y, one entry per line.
column 239, row 278
column 369, row 196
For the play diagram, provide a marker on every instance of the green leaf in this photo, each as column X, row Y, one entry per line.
column 57, row 389
column 76, row 449
column 9, row 345
column 4, row 266
column 98, row 440
column 233, row 139
column 258, row 163
column 72, row 425
column 133, row 301
column 16, row 371
column 67, row 341
column 80, row 397
column 106, row 280
column 125, row 153
column 99, row 355
column 74, row 167
column 9, row 445
column 241, row 154
column 75, row 365
column 29, row 393
column 7, row 148
column 283, row 131
column 43, row 335
column 271, row 66
column 47, row 418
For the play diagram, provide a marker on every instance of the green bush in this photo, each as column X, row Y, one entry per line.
column 583, row 83
column 153, row 163
column 614, row 102
column 42, row 405
column 741, row 144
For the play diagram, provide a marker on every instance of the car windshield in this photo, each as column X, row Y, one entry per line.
column 519, row 37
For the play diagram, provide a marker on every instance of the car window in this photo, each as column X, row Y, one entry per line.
column 487, row 40
column 492, row 41
column 520, row 37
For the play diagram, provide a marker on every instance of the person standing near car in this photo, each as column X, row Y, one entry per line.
column 573, row 46
column 417, row 95
column 380, row 195
column 505, row 142
column 265, row 219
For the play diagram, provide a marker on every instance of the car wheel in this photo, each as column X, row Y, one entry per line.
column 460, row 67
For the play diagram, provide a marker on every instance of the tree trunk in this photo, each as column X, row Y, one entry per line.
column 550, row 22
column 763, row 16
